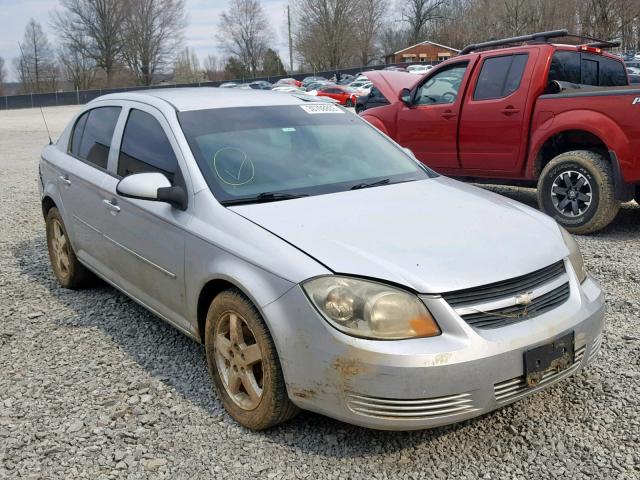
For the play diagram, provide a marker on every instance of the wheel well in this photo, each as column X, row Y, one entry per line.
column 47, row 204
column 207, row 294
column 567, row 141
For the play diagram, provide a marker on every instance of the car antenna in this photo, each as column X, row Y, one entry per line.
column 40, row 106
column 46, row 126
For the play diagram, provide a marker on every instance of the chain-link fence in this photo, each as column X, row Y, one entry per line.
column 79, row 97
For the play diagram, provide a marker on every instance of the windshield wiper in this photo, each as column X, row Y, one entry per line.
column 263, row 198
column 384, row 181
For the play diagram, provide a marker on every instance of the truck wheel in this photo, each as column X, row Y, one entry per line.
column 244, row 364
column 637, row 195
column 66, row 267
column 359, row 109
column 576, row 189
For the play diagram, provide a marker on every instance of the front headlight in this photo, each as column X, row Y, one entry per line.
column 575, row 257
column 371, row 310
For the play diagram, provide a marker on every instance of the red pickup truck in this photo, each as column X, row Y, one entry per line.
column 561, row 117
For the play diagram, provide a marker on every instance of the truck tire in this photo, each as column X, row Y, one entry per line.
column 244, row 364
column 576, row 189
column 637, row 195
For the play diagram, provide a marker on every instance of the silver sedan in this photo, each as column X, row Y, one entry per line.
column 321, row 265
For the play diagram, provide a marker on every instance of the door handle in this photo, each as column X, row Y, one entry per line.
column 64, row 179
column 111, row 206
column 448, row 114
column 510, row 110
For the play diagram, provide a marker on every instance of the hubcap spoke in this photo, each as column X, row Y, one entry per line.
column 235, row 330
column 251, row 386
column 562, row 205
column 581, row 181
column 234, row 381
column 574, row 207
column 559, row 190
column 584, row 197
column 567, row 180
column 223, row 346
column 252, row 355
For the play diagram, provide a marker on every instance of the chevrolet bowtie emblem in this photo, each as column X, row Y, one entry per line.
column 524, row 298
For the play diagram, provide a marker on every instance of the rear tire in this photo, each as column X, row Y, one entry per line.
column 66, row 267
column 359, row 109
column 244, row 364
column 576, row 189
column 348, row 103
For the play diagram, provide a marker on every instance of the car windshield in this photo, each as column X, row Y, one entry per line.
column 295, row 150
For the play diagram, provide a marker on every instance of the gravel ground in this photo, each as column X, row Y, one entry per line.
column 93, row 386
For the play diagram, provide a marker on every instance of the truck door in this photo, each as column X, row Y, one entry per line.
column 494, row 121
column 429, row 127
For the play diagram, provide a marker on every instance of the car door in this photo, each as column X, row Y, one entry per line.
column 81, row 181
column 494, row 122
column 429, row 127
column 147, row 239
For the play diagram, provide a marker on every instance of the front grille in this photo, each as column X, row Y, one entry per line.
column 497, row 304
column 419, row 409
column 505, row 288
column 516, row 313
column 514, row 388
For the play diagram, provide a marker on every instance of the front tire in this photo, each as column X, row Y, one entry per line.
column 576, row 189
column 66, row 267
column 244, row 364
column 359, row 109
column 348, row 103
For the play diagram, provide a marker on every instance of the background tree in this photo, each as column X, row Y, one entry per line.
column 235, row 69
column 36, row 65
column 78, row 69
column 324, row 32
column 213, row 68
column 95, row 28
column 368, row 24
column 186, row 67
column 272, row 64
column 418, row 14
column 151, row 35
column 245, row 33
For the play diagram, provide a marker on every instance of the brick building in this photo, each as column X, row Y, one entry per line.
column 422, row 52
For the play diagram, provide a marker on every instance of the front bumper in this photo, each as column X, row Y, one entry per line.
column 423, row 383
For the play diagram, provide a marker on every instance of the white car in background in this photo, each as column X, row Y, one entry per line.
column 419, row 69
column 363, row 87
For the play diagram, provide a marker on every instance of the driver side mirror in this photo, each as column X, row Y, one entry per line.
column 405, row 96
column 154, row 187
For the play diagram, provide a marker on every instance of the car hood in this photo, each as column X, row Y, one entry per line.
column 391, row 83
column 433, row 236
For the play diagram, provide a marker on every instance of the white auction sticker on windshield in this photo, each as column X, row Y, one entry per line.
column 318, row 108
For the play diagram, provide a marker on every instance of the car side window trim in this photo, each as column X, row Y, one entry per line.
column 111, row 146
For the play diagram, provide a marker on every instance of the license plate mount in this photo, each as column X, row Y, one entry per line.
column 555, row 356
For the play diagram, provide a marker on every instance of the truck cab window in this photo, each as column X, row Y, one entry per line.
column 442, row 87
column 500, row 76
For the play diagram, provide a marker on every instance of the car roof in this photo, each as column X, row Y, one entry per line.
column 203, row 98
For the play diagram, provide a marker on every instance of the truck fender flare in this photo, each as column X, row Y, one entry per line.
column 598, row 125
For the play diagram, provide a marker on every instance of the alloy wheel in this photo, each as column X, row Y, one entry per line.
column 571, row 193
column 239, row 360
column 60, row 248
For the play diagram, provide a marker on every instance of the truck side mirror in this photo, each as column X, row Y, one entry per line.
column 405, row 96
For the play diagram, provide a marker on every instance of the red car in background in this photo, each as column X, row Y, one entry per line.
column 345, row 95
column 288, row 81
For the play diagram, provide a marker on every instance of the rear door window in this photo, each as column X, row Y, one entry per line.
column 145, row 147
column 586, row 69
column 500, row 76
column 92, row 135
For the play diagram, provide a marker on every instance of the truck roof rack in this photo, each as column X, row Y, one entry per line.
column 541, row 37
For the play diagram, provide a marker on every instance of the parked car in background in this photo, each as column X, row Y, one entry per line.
column 288, row 81
column 344, row 95
column 634, row 79
column 229, row 85
column 373, row 99
column 533, row 115
column 362, row 87
column 287, row 89
column 307, row 80
column 322, row 266
column 312, row 88
column 260, row 85
column 346, row 79
column 419, row 69
column 633, row 70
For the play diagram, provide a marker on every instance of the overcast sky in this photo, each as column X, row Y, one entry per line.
column 200, row 33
